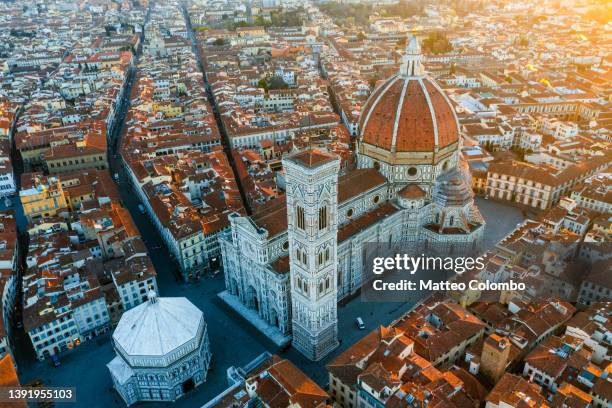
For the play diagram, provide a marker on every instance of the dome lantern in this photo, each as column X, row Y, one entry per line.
column 412, row 61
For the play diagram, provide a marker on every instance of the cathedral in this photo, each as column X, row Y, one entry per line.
column 295, row 258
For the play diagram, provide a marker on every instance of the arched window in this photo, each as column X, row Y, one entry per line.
column 300, row 219
column 323, row 217
column 323, row 257
column 301, row 257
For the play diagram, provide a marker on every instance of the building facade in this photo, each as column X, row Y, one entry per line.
column 162, row 350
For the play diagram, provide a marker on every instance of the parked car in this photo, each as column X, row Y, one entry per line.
column 55, row 360
column 360, row 323
column 141, row 208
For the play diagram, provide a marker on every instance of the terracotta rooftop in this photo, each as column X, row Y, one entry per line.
column 358, row 181
column 408, row 115
column 301, row 390
column 363, row 222
column 411, row 192
column 312, row 158
column 272, row 216
column 516, row 392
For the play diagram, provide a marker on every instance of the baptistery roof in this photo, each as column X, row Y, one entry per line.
column 409, row 112
column 158, row 326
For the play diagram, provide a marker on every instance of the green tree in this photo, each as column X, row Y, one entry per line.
column 277, row 83
column 437, row 43
column 219, row 41
column 488, row 146
column 347, row 14
column 259, row 21
column 263, row 84
column 372, row 82
column 403, row 9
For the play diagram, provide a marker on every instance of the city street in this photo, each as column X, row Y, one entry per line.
column 233, row 340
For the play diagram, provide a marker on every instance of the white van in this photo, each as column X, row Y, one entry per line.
column 360, row 323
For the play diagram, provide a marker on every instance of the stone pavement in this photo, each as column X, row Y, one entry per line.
column 252, row 317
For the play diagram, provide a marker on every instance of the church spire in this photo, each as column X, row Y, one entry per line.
column 412, row 64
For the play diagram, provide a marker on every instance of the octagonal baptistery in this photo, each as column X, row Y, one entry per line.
column 408, row 127
column 162, row 350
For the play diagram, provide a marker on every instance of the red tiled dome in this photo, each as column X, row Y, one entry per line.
column 408, row 114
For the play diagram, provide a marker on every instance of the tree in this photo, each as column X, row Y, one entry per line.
column 219, row 41
column 263, row 84
column 259, row 21
column 372, row 82
column 347, row 14
column 277, row 83
column 523, row 42
column 437, row 43
column 403, row 9
column 520, row 152
column 361, row 36
column 272, row 83
column 488, row 146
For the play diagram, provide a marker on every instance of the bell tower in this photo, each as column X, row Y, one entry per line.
column 312, row 206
